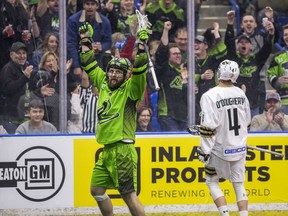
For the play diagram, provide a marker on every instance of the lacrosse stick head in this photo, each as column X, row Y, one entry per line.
column 143, row 22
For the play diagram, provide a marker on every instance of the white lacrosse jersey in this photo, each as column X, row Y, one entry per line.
column 226, row 117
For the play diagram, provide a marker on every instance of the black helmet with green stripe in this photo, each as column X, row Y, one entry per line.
column 120, row 63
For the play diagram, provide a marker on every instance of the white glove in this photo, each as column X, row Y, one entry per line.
column 204, row 158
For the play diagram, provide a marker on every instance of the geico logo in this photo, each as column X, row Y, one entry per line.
column 236, row 150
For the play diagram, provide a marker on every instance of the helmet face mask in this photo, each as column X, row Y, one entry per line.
column 120, row 63
column 228, row 70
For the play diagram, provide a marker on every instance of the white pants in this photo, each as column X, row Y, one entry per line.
column 230, row 170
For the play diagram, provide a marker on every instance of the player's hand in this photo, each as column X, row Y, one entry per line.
column 204, row 158
column 86, row 33
column 86, row 30
column 143, row 35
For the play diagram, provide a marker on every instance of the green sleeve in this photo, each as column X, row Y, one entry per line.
column 91, row 67
column 138, row 79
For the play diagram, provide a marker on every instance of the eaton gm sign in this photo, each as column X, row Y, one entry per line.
column 34, row 173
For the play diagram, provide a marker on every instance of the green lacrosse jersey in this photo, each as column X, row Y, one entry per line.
column 116, row 109
column 277, row 69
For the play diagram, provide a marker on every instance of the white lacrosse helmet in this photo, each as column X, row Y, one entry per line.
column 228, row 70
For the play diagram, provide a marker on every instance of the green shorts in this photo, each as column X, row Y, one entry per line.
column 116, row 168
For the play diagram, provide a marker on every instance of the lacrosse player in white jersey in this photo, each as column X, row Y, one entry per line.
column 224, row 130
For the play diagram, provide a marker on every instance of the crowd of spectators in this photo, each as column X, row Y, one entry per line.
column 29, row 59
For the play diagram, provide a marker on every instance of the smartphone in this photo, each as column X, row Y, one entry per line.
column 264, row 21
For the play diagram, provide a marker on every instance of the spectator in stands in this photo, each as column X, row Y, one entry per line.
column 102, row 33
column 181, row 40
column 88, row 99
column 205, row 69
column 166, row 10
column 249, row 65
column 50, row 43
column 121, row 45
column 251, row 55
column 36, row 124
column 122, row 16
column 110, row 9
column 47, row 17
column 72, row 6
column 45, row 86
column 249, row 28
column 14, row 26
column 144, row 117
column 119, row 40
column 278, row 72
column 172, row 97
column 216, row 45
column 272, row 119
column 14, row 84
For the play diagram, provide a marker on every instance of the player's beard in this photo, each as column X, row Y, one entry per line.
column 115, row 83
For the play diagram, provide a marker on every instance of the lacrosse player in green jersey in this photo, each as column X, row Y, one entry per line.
column 119, row 95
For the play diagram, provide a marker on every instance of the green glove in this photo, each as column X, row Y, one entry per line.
column 143, row 35
column 86, row 31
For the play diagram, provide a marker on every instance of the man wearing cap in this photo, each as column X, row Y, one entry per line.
column 102, row 33
column 250, row 65
column 258, row 40
column 272, row 119
column 205, row 68
column 14, row 83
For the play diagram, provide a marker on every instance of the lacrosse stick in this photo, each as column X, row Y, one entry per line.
column 195, row 130
column 265, row 150
column 143, row 23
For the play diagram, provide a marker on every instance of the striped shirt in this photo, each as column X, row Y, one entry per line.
column 89, row 103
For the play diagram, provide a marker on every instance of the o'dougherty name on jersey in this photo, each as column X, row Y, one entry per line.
column 230, row 101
